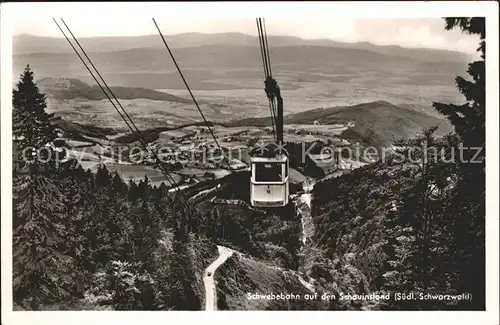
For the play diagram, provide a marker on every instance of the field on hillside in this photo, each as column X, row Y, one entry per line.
column 244, row 97
column 247, row 103
column 145, row 113
column 309, row 90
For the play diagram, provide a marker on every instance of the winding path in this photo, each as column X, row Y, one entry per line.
column 303, row 204
column 208, row 277
column 225, row 253
column 204, row 192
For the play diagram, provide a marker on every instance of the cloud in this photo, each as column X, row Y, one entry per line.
column 425, row 32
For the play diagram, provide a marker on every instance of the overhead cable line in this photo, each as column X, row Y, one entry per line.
column 266, row 62
column 137, row 131
column 266, row 71
column 89, row 70
column 130, row 124
column 267, row 48
column 192, row 96
column 261, row 45
column 270, row 65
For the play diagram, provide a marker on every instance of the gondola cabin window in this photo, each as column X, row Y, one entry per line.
column 268, row 171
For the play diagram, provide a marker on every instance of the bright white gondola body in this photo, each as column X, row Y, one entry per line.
column 269, row 181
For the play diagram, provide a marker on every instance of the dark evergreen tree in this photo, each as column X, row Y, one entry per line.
column 144, row 188
column 469, row 118
column 45, row 268
column 468, row 204
column 102, row 176
column 133, row 193
column 182, row 295
column 121, row 278
column 78, row 213
column 43, row 271
column 118, row 186
column 31, row 125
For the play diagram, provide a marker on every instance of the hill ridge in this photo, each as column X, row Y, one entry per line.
column 71, row 88
column 376, row 123
column 236, row 38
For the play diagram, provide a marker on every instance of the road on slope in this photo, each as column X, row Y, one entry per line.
column 225, row 253
column 208, row 277
column 304, row 206
column 303, row 203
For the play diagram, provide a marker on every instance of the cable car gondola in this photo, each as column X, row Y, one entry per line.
column 269, row 168
column 269, row 181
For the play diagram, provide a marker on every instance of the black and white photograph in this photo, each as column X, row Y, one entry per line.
column 186, row 158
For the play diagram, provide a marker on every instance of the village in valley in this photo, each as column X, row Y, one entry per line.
column 193, row 156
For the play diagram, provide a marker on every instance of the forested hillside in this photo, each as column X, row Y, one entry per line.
column 416, row 221
column 92, row 241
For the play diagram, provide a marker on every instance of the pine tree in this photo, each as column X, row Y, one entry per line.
column 146, row 229
column 77, row 202
column 44, row 272
column 118, row 185
column 31, row 125
column 181, row 295
column 103, row 224
column 468, row 203
column 38, row 235
column 469, row 119
column 121, row 278
column 144, row 188
column 133, row 193
column 102, row 176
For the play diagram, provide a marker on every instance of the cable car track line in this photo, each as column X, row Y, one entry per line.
column 265, row 169
column 130, row 124
column 88, row 69
column 261, row 49
column 266, row 61
column 191, row 94
column 166, row 174
column 267, row 48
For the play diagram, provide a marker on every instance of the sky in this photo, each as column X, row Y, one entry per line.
column 316, row 20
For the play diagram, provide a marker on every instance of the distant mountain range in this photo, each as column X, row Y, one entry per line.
column 26, row 44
